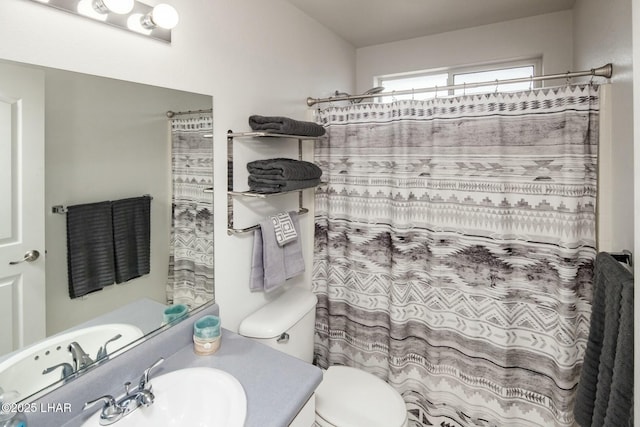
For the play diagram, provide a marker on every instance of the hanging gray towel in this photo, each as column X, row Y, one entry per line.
column 604, row 396
column 285, row 125
column 272, row 264
column 90, row 262
column 131, row 237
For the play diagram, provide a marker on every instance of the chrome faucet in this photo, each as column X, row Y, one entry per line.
column 67, row 371
column 113, row 410
column 80, row 359
column 102, row 352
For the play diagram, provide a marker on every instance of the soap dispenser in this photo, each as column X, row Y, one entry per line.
column 8, row 416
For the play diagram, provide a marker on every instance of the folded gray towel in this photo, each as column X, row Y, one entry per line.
column 284, row 169
column 604, row 396
column 90, row 259
column 285, row 126
column 131, row 237
column 264, row 185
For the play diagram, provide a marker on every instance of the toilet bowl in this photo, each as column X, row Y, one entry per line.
column 346, row 397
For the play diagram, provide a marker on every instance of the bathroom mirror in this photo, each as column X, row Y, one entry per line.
column 105, row 139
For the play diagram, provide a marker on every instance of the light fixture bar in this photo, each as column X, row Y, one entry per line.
column 121, row 21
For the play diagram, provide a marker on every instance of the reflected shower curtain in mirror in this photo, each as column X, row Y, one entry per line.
column 191, row 243
column 454, row 250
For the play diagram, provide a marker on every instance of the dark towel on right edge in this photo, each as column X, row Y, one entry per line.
column 131, row 237
column 90, row 264
column 604, row 397
column 285, row 126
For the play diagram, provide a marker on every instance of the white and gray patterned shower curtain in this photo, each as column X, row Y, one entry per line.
column 454, row 249
column 191, row 243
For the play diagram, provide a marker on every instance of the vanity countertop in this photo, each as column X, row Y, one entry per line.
column 276, row 385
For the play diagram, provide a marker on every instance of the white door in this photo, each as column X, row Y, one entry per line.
column 22, row 281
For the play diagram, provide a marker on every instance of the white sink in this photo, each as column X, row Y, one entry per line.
column 197, row 397
column 22, row 372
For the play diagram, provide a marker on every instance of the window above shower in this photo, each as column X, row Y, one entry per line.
column 458, row 76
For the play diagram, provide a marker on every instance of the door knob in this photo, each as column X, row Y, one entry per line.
column 30, row 256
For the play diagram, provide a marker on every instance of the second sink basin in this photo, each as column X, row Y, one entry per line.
column 200, row 397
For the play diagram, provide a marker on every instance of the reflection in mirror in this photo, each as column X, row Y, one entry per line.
column 107, row 140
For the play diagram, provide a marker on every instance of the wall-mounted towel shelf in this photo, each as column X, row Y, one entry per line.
column 231, row 193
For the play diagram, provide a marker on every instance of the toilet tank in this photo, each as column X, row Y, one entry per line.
column 285, row 324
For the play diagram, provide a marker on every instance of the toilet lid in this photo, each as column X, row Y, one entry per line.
column 349, row 397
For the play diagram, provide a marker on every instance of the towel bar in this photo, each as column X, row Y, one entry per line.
column 61, row 209
column 232, row 231
column 625, row 256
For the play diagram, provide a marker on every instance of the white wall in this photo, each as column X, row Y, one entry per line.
column 602, row 34
column 94, row 126
column 636, row 209
column 253, row 56
column 549, row 36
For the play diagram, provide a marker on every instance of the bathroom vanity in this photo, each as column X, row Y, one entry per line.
column 278, row 387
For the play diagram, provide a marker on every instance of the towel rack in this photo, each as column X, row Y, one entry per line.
column 231, row 194
column 625, row 256
column 61, row 209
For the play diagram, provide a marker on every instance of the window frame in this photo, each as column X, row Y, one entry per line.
column 536, row 62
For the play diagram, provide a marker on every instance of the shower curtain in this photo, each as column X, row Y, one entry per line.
column 191, row 242
column 454, row 250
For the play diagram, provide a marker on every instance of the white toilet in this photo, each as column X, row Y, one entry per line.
column 347, row 397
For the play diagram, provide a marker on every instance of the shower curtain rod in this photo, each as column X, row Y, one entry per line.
column 170, row 113
column 604, row 71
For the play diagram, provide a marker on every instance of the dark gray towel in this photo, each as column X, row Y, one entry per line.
column 604, row 397
column 284, row 169
column 265, row 185
column 90, row 262
column 131, row 237
column 285, row 126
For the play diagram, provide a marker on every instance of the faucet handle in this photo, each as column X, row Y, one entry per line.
column 145, row 375
column 67, row 370
column 102, row 351
column 111, row 412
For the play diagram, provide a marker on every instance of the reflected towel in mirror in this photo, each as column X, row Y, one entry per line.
column 90, row 259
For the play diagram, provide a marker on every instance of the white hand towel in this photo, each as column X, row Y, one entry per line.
column 284, row 229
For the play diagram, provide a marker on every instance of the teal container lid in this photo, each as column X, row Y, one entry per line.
column 207, row 327
column 174, row 312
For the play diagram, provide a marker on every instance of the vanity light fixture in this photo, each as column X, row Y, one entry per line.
column 132, row 15
column 121, row 7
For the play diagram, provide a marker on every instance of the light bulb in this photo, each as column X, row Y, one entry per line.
column 165, row 16
column 134, row 23
column 85, row 8
column 121, row 7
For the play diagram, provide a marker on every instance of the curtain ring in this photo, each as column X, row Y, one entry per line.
column 531, row 82
column 393, row 96
column 497, row 85
column 568, row 79
column 436, row 95
column 464, row 89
